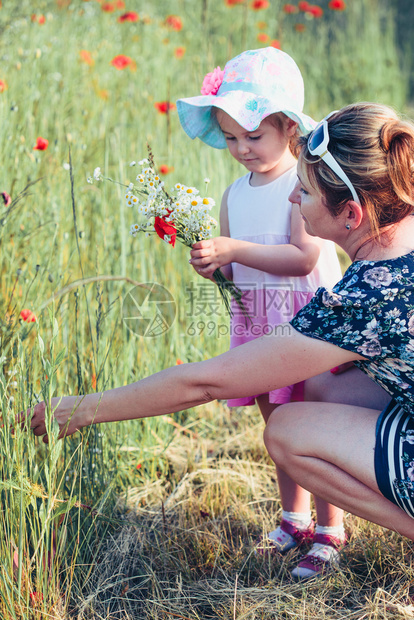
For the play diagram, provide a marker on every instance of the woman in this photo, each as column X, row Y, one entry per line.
column 355, row 187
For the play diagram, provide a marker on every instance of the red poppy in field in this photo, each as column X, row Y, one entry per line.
column 262, row 37
column 130, row 16
column 108, row 7
column 164, row 169
column 40, row 19
column 179, row 362
column 41, row 144
column 120, row 4
column 86, row 57
column 36, row 597
column 6, row 198
column 233, row 2
column 174, row 22
column 28, row 316
column 163, row 228
column 179, row 52
column 290, row 8
column 303, row 6
column 3, row 86
column 257, row 5
column 276, row 44
column 121, row 62
column 337, row 5
column 300, row 27
column 139, row 466
column 164, row 107
column 315, row 10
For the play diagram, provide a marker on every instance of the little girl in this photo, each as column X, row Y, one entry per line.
column 254, row 107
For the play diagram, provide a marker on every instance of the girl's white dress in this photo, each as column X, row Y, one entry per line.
column 262, row 215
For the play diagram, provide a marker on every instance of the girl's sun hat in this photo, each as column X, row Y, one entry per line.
column 252, row 86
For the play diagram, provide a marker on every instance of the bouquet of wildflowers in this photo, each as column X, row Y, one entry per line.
column 179, row 214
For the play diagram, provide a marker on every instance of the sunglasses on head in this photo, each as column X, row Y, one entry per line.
column 318, row 146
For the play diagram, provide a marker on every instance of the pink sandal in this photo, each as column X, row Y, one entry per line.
column 271, row 544
column 314, row 564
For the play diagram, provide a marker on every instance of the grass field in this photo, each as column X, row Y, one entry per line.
column 153, row 519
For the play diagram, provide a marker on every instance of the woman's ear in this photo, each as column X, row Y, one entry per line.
column 354, row 214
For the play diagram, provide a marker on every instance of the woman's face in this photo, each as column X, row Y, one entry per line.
column 317, row 219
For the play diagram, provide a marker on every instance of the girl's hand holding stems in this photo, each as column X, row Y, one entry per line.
column 297, row 258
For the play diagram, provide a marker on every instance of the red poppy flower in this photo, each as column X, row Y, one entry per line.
column 164, row 169
column 120, row 4
column 276, row 44
column 3, row 86
column 179, row 52
column 122, row 62
column 28, row 316
column 262, row 37
column 337, row 5
column 41, row 144
column 86, row 57
column 163, row 228
column 6, row 198
column 233, row 2
column 290, row 8
column 303, row 6
column 315, row 10
column 130, row 16
column 179, row 362
column 40, row 19
column 36, row 597
column 164, row 107
column 300, row 27
column 174, row 22
column 108, row 7
column 257, row 5
column 139, row 466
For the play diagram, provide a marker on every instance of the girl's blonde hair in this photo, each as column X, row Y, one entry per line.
column 375, row 148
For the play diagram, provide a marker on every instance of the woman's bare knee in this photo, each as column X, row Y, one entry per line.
column 278, row 434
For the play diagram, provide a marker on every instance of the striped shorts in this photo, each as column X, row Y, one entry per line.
column 394, row 456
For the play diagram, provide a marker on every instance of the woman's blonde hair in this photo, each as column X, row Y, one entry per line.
column 375, row 148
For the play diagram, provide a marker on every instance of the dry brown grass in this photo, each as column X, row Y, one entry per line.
column 187, row 548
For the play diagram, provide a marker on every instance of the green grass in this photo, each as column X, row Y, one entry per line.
column 156, row 518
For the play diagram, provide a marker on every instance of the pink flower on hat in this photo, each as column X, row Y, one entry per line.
column 212, row 82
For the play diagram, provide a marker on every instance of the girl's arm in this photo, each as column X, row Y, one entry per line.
column 297, row 258
column 256, row 367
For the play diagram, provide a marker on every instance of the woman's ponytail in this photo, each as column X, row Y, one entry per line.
column 397, row 141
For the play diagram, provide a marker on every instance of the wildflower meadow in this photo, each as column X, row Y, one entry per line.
column 152, row 519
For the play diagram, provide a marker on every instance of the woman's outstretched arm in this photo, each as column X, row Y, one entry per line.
column 256, row 367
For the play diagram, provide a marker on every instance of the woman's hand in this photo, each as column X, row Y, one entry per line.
column 68, row 411
column 211, row 254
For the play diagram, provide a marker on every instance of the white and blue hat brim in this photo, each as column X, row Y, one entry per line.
column 243, row 103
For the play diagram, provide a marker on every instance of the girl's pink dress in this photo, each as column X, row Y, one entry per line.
column 262, row 215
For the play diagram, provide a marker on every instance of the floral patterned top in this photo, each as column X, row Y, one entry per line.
column 370, row 311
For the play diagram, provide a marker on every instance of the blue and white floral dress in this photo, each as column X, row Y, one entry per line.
column 371, row 311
